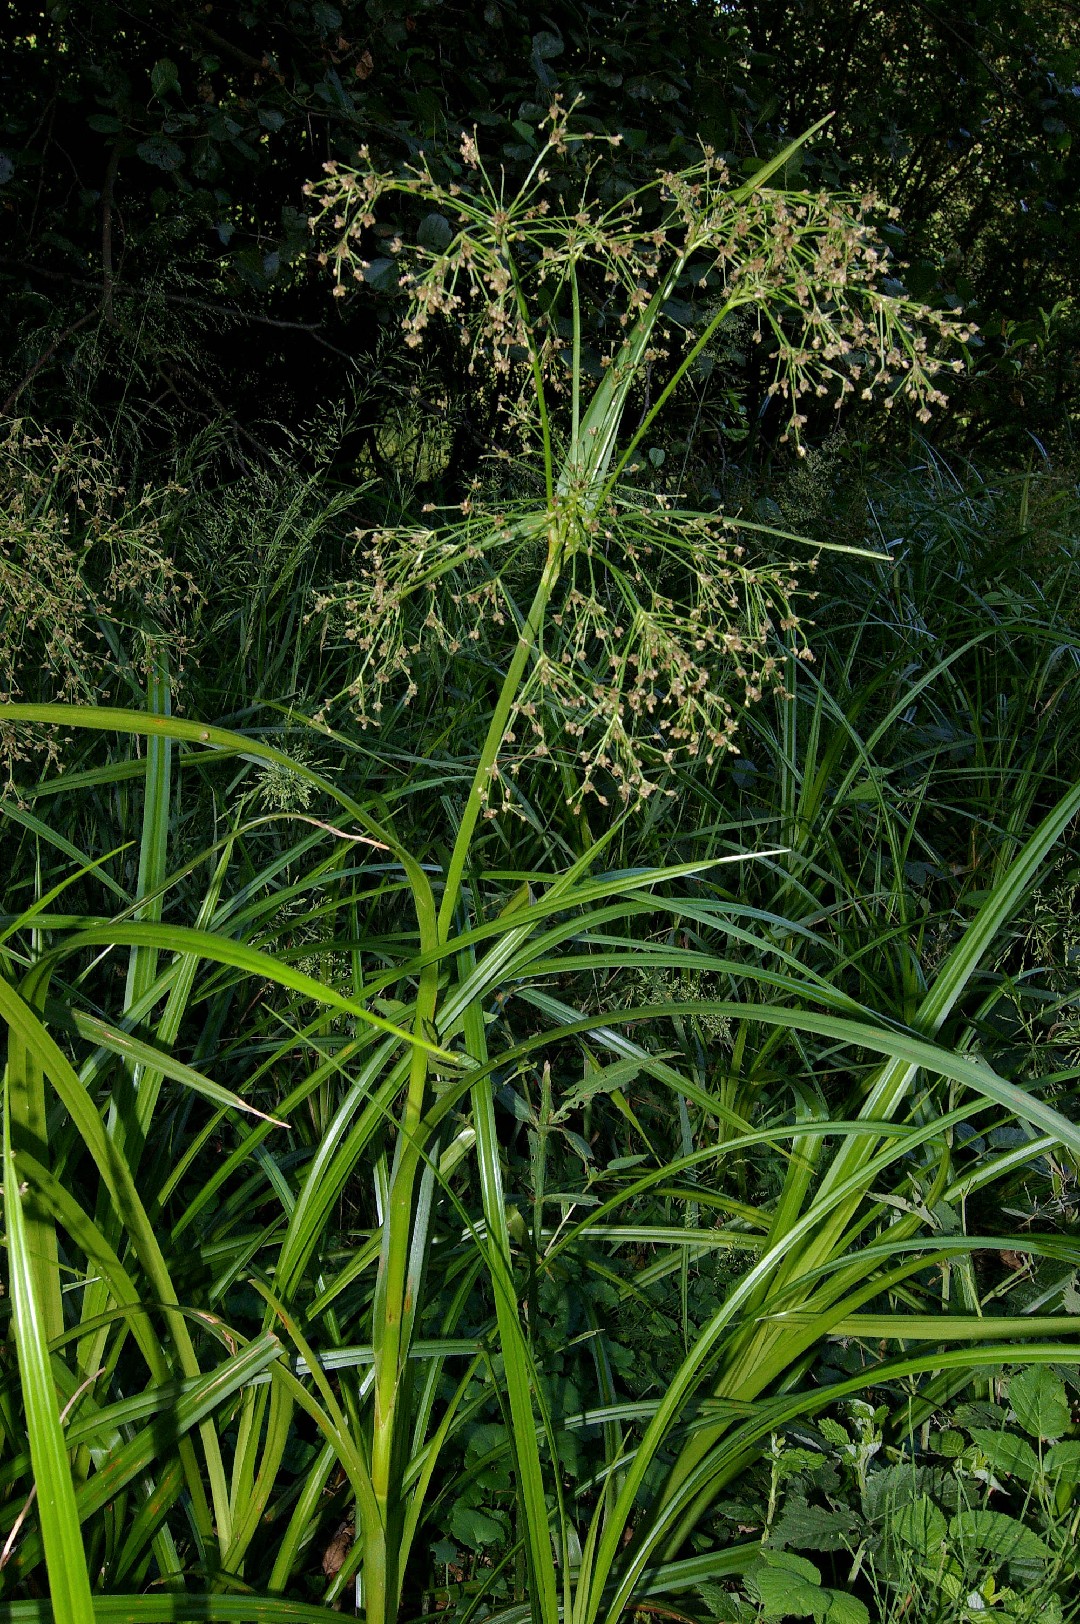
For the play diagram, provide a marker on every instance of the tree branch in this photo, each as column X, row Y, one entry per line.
column 257, row 64
column 312, row 328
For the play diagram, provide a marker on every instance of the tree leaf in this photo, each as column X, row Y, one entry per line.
column 547, row 45
column 435, row 233
column 161, row 152
column 164, row 77
column 383, row 275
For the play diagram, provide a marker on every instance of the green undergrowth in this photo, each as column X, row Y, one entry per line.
column 773, row 1086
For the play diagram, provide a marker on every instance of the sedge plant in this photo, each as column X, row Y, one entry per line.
column 603, row 654
column 642, row 633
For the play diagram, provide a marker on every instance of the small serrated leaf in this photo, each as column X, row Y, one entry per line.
column 920, row 1524
column 845, row 1609
column 791, row 1461
column 950, row 1442
column 813, row 1528
column 472, row 1527
column 788, row 1562
column 600, row 1080
column 993, row 1531
column 1008, row 1454
column 1062, row 1461
column 944, row 1580
column 1039, row 1402
column 783, row 1594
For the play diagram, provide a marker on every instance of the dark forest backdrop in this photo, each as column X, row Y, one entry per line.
column 155, row 252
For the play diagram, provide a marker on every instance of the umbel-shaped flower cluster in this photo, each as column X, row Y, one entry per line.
column 650, row 627
column 658, row 633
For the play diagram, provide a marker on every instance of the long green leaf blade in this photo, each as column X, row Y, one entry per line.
column 65, row 1559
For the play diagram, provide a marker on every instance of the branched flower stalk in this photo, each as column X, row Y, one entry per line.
column 649, row 627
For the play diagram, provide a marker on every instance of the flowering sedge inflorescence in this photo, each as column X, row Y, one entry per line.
column 659, row 635
column 79, row 553
column 657, row 628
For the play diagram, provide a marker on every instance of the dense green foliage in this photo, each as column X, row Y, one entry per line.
column 538, row 944
column 635, row 1010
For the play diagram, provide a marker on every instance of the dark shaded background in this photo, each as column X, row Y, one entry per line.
column 154, row 256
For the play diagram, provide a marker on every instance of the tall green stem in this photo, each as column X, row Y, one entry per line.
column 575, row 386
column 393, row 1314
column 394, row 1308
column 500, row 716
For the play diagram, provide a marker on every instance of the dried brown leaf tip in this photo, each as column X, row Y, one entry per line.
column 333, row 1558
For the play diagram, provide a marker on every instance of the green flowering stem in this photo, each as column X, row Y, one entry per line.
column 538, row 380
column 503, row 280
column 500, row 716
column 395, row 1301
